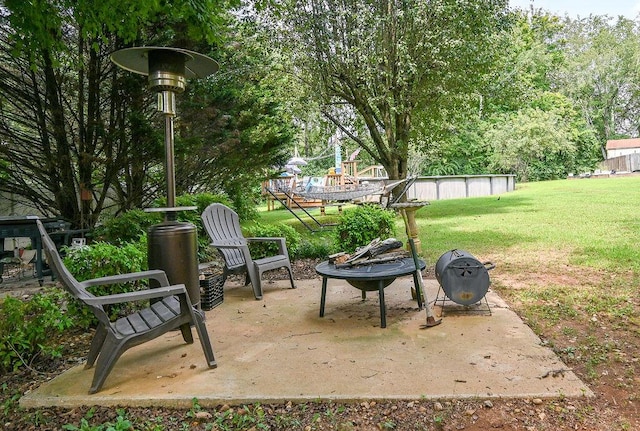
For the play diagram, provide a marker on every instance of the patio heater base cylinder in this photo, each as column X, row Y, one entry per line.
column 173, row 247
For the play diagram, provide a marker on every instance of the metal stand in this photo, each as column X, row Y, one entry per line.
column 458, row 309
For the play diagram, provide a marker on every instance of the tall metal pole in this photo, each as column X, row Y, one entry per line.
column 167, row 69
column 169, row 166
column 167, row 105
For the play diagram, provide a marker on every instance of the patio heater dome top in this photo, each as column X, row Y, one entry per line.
column 167, row 67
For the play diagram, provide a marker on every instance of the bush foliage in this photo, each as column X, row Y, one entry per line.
column 101, row 259
column 263, row 249
column 133, row 225
column 31, row 328
column 127, row 227
column 359, row 226
column 316, row 247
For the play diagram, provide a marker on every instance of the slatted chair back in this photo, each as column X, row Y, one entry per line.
column 70, row 283
column 223, row 226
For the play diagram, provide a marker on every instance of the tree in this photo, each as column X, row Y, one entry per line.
column 531, row 127
column 522, row 122
column 519, row 76
column 601, row 74
column 531, row 143
column 389, row 61
column 237, row 123
column 66, row 129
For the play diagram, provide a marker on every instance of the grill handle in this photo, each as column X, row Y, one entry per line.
column 489, row 265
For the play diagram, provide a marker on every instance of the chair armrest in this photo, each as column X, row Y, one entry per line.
column 154, row 274
column 141, row 295
column 229, row 244
column 266, row 239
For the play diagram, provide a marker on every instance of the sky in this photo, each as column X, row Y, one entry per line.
column 583, row 8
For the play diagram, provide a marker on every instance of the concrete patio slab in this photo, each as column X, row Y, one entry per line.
column 279, row 350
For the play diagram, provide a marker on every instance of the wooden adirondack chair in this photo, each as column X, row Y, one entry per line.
column 223, row 226
column 170, row 309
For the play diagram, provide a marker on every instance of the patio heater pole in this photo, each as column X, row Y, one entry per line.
column 166, row 105
column 172, row 245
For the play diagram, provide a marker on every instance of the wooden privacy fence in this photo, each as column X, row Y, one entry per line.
column 627, row 163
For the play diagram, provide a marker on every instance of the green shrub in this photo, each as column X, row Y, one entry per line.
column 127, row 227
column 264, row 249
column 133, row 225
column 101, row 259
column 359, row 226
column 30, row 329
column 315, row 247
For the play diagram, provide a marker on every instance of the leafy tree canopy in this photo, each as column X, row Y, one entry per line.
column 388, row 61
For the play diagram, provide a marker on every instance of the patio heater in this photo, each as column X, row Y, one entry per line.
column 172, row 245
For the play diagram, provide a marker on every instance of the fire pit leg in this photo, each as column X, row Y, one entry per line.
column 323, row 297
column 369, row 278
column 383, row 310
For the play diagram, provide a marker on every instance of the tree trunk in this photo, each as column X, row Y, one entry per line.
column 66, row 197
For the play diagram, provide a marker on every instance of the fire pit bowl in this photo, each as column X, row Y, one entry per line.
column 369, row 285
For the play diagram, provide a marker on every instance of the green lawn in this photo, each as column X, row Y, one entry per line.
column 593, row 222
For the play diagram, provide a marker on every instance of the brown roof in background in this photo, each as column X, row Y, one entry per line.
column 618, row 144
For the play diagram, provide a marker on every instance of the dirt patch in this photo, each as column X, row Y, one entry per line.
column 597, row 339
column 522, row 270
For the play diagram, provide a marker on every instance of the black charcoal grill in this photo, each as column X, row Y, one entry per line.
column 462, row 277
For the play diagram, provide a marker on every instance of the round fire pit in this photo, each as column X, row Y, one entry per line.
column 374, row 277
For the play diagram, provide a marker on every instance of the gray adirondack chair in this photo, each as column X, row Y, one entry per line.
column 170, row 309
column 223, row 226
